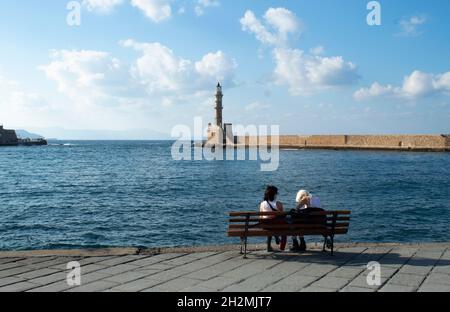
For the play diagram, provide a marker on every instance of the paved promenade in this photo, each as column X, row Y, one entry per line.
column 404, row 268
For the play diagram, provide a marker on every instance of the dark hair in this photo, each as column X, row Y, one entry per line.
column 271, row 192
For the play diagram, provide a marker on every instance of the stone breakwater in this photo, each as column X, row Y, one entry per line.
column 438, row 143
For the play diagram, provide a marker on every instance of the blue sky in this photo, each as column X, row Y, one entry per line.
column 312, row 67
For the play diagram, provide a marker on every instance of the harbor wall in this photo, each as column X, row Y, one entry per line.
column 384, row 142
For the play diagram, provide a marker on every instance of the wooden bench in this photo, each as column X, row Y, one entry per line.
column 316, row 223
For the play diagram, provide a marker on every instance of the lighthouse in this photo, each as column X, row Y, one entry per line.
column 219, row 106
column 220, row 133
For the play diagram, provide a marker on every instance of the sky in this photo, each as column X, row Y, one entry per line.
column 139, row 68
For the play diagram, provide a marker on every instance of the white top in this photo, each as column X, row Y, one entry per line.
column 315, row 203
column 265, row 207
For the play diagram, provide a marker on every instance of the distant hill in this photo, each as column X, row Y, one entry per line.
column 85, row 134
column 28, row 135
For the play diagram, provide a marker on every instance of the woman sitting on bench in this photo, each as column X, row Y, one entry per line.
column 304, row 201
column 270, row 204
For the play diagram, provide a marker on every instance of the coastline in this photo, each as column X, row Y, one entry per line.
column 126, row 251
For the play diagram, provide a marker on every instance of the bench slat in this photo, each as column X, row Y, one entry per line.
column 257, row 213
column 306, row 232
column 289, row 226
column 279, row 227
column 340, row 219
column 238, row 220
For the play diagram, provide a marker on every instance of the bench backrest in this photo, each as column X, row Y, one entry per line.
column 312, row 222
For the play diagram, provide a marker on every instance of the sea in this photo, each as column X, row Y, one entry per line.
column 89, row 194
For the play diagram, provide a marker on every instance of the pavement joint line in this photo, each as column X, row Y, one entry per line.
column 431, row 271
column 11, row 260
column 60, row 271
column 219, row 275
column 126, row 262
column 59, row 261
column 144, row 257
column 318, row 279
column 29, row 268
column 299, row 256
column 276, row 281
column 381, row 257
column 164, row 270
column 29, row 280
column 299, row 269
column 18, row 264
column 242, row 280
column 396, row 271
column 308, row 265
column 187, row 273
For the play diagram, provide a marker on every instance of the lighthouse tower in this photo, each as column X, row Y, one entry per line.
column 220, row 133
column 219, row 107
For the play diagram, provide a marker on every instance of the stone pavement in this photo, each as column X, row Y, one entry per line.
column 404, row 268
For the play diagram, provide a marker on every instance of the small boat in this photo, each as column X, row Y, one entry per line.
column 33, row 142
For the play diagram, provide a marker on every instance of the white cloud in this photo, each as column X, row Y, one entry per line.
column 375, row 90
column 95, row 78
column 20, row 107
column 101, row 6
column 217, row 66
column 303, row 73
column 87, row 76
column 415, row 86
column 410, row 26
column 319, row 50
column 97, row 90
column 252, row 25
column 204, row 4
column 158, row 68
column 256, row 106
column 161, row 71
column 283, row 21
column 156, row 10
column 280, row 22
column 14, row 98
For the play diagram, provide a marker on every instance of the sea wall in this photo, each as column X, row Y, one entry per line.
column 382, row 142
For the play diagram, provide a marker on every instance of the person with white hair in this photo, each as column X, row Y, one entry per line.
column 304, row 200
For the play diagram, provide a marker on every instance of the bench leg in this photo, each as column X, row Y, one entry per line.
column 332, row 245
column 324, row 249
column 245, row 248
column 242, row 246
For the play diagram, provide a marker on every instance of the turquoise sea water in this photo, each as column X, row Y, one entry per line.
column 92, row 194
